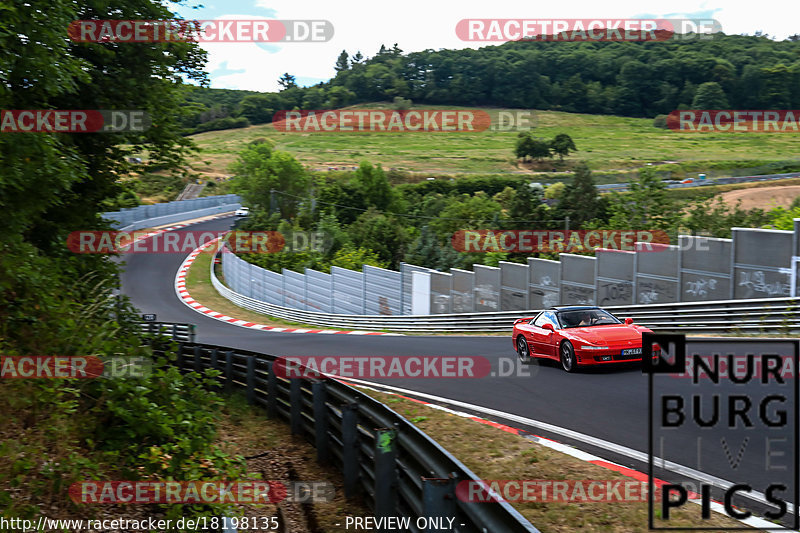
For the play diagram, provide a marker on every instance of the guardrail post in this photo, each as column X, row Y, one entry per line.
column 296, row 405
column 214, row 362
column 228, row 370
column 198, row 350
column 251, row 379
column 349, row 449
column 385, row 471
column 192, row 331
column 174, row 332
column 319, row 391
column 272, row 391
column 180, row 361
column 438, row 500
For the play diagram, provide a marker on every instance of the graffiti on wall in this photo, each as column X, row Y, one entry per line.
column 756, row 282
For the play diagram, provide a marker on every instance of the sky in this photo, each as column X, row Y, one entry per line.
column 415, row 25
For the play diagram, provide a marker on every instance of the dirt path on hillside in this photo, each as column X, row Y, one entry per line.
column 762, row 197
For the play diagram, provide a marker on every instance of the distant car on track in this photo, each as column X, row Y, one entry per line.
column 242, row 212
column 578, row 336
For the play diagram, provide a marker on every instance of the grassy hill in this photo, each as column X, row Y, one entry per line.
column 613, row 146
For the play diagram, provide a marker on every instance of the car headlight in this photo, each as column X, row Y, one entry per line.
column 587, row 347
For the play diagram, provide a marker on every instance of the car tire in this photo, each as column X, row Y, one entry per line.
column 567, row 357
column 523, row 350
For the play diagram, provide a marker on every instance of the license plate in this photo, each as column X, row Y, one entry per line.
column 632, row 351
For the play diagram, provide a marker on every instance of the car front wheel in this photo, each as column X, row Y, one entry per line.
column 568, row 361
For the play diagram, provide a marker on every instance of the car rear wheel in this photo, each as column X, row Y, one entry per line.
column 523, row 351
column 568, row 361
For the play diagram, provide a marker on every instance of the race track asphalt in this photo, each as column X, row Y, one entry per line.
column 609, row 404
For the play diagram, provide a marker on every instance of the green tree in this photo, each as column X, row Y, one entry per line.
column 257, row 108
column 466, row 212
column 374, row 186
column 646, row 205
column 259, row 170
column 426, row 251
column 339, row 96
column 562, row 144
column 314, row 98
column 287, row 81
column 342, row 62
column 579, row 199
column 710, row 95
column 380, row 233
column 530, row 146
column 353, row 258
column 555, row 190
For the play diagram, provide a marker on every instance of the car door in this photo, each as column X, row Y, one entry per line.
column 543, row 340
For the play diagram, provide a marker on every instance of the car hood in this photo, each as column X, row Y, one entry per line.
column 617, row 333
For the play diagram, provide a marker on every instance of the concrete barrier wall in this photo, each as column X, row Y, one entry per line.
column 294, row 289
column 706, row 266
column 383, row 290
column 406, row 275
column 614, row 277
column 487, row 288
column 441, row 292
column 762, row 263
column 348, row 291
column 463, row 291
column 319, row 292
column 657, row 268
column 513, row 286
column 756, row 263
column 577, row 280
column 544, row 280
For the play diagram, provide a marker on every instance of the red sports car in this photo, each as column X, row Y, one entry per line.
column 578, row 336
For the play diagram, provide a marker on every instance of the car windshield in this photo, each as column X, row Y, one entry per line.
column 586, row 317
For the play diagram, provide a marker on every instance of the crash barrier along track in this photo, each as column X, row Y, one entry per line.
column 754, row 264
column 394, row 467
column 176, row 331
column 756, row 316
column 147, row 216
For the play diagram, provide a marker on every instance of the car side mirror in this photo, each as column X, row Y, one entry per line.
column 628, row 321
column 548, row 326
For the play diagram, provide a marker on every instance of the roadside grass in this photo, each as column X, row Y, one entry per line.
column 617, row 145
column 198, row 283
column 274, row 454
column 493, row 454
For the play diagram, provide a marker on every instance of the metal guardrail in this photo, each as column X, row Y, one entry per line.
column 176, row 331
column 387, row 461
column 767, row 315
